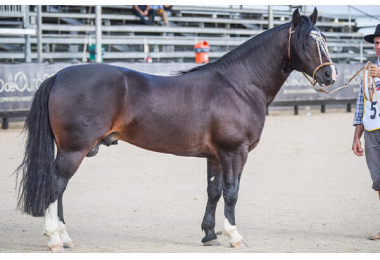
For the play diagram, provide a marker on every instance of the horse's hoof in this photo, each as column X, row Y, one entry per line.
column 68, row 244
column 57, row 248
column 239, row 244
column 213, row 242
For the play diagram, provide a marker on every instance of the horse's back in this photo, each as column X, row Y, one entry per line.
column 90, row 102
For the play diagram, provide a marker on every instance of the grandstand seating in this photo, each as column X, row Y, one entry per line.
column 69, row 30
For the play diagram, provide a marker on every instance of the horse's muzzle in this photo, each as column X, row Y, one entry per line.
column 327, row 76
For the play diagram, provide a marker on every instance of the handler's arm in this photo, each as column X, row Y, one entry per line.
column 357, row 145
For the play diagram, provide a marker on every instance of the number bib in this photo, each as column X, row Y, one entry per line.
column 371, row 113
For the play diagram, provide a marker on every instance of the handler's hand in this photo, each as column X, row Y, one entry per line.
column 374, row 71
column 357, row 148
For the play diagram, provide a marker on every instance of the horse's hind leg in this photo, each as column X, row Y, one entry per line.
column 55, row 228
column 51, row 228
column 67, row 242
column 66, row 164
column 214, row 191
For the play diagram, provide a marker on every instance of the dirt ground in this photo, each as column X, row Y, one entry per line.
column 302, row 190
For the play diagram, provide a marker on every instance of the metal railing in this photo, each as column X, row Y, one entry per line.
column 127, row 41
column 12, row 10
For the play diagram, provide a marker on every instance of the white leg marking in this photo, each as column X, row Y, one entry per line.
column 63, row 233
column 231, row 232
column 51, row 227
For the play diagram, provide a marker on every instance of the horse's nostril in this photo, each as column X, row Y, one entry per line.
column 328, row 75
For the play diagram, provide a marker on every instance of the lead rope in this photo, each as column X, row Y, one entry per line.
column 372, row 91
column 346, row 85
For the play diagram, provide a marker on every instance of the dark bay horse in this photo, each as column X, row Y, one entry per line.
column 215, row 111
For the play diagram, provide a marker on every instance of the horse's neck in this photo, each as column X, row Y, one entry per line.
column 265, row 64
column 271, row 71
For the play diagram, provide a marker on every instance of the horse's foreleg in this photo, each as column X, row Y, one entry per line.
column 232, row 169
column 214, row 191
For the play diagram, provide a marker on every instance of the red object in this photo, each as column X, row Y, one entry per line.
column 201, row 52
column 149, row 59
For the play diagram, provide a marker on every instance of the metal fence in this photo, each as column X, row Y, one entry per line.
column 12, row 10
column 66, row 36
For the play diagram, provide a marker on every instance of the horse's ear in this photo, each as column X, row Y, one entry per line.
column 296, row 18
column 314, row 16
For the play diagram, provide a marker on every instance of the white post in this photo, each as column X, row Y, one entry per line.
column 146, row 49
column 98, row 25
column 361, row 51
column 349, row 18
column 39, row 33
column 270, row 17
column 27, row 36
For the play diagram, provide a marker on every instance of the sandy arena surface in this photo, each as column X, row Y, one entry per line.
column 302, row 190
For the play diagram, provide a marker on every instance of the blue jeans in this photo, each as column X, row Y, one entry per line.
column 151, row 13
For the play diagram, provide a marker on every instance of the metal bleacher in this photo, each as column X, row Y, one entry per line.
column 67, row 31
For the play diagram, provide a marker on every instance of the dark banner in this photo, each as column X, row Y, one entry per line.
column 19, row 82
column 298, row 88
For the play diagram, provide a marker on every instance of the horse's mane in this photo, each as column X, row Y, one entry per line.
column 300, row 33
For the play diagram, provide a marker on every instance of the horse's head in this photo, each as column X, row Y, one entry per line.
column 308, row 51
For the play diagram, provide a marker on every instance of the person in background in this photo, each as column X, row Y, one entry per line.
column 159, row 10
column 367, row 121
column 142, row 11
column 168, row 10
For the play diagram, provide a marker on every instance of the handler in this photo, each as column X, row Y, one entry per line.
column 368, row 121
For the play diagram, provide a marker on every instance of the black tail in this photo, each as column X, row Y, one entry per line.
column 38, row 182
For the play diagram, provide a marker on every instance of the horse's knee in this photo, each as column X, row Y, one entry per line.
column 214, row 194
column 230, row 195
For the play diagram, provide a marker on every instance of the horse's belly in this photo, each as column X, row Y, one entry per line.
column 167, row 139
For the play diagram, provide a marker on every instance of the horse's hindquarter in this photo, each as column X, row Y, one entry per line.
column 86, row 102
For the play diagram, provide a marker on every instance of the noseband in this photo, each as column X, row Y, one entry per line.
column 321, row 47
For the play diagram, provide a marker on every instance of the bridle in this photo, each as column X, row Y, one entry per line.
column 321, row 47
